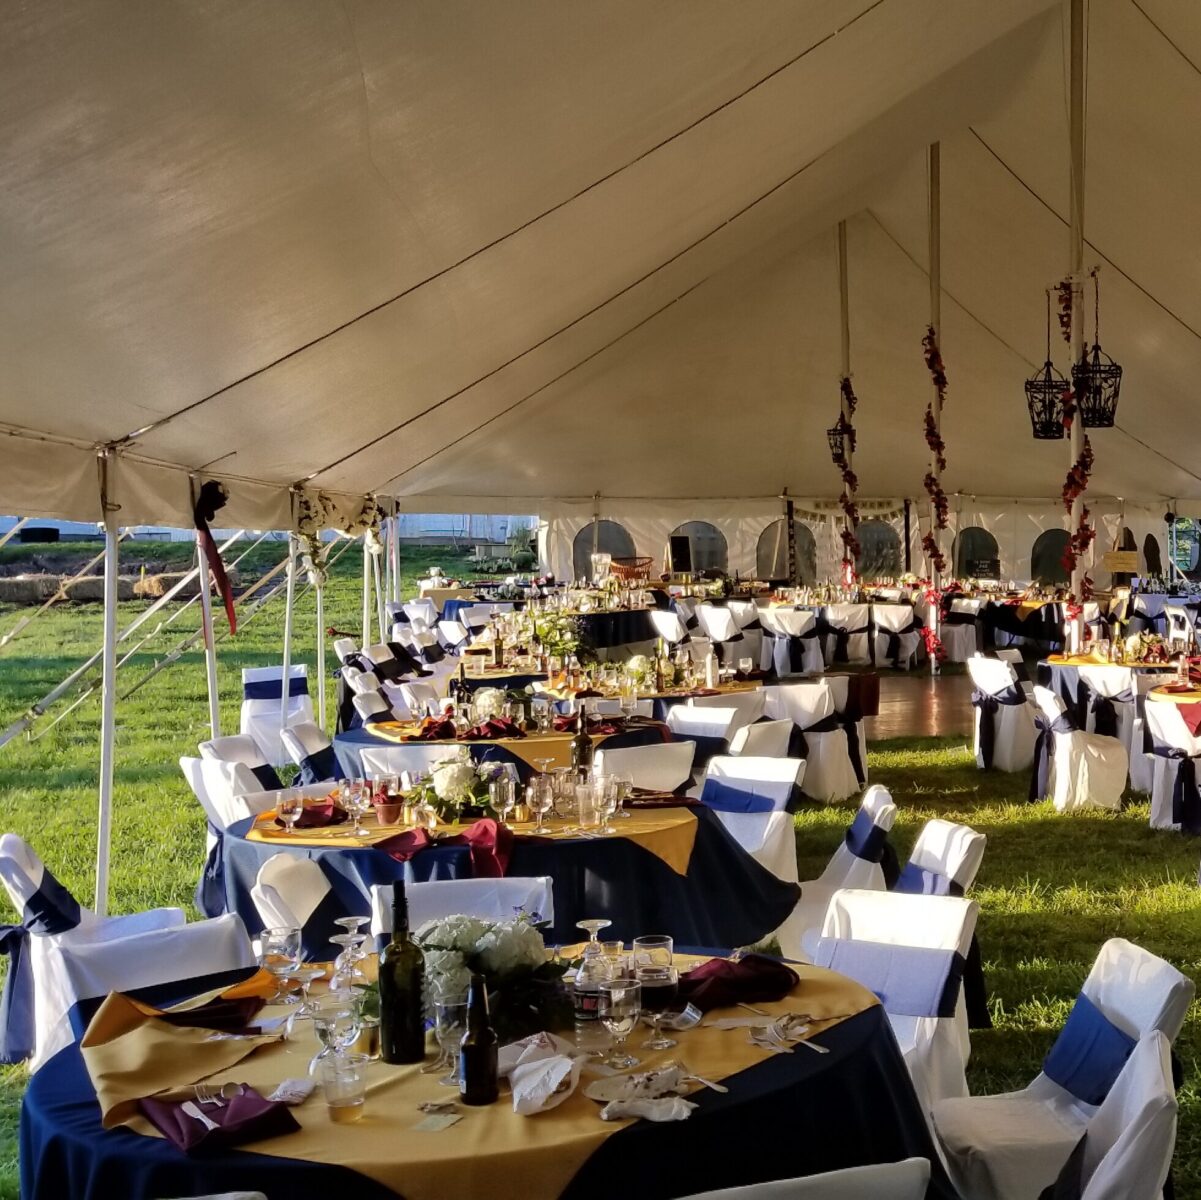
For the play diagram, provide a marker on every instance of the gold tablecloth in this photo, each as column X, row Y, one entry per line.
column 1192, row 696
column 534, row 1156
column 669, row 834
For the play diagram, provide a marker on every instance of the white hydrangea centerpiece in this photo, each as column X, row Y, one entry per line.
column 488, row 702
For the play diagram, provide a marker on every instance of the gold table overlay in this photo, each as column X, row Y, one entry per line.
column 131, row 1055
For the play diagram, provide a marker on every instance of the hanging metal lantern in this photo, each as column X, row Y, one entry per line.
column 1044, row 395
column 1096, row 378
column 1044, row 398
column 841, row 437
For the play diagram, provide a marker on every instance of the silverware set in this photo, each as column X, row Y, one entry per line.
column 784, row 1034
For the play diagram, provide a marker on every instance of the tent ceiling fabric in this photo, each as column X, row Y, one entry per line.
column 479, row 255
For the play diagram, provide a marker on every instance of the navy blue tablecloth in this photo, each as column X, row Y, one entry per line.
column 1045, row 624
column 606, row 629
column 725, row 899
column 793, row 1114
column 508, row 683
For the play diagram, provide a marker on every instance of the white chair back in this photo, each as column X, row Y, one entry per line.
column 668, row 626
column 804, row 704
column 750, row 704
column 421, row 698
column 304, row 738
column 287, row 890
column 425, row 611
column 770, row 778
column 795, row 622
column 1129, row 1141
column 490, row 899
column 685, row 720
column 260, row 714
column 744, row 612
column 372, row 704
column 363, row 682
column 949, row 849
column 237, row 747
column 718, row 623
column 344, row 647
column 764, row 739
column 1048, row 703
column 991, row 675
column 1138, row 991
column 476, row 616
column 660, row 768
column 905, row 1180
column 845, row 869
column 24, row 876
column 933, row 922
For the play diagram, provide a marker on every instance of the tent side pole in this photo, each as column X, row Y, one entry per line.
column 395, row 549
column 319, row 588
column 210, row 650
column 380, row 611
column 286, row 678
column 932, row 617
column 844, row 312
column 1075, row 630
column 366, row 594
column 108, row 687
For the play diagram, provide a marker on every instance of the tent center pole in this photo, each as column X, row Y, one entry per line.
column 844, row 303
column 935, row 205
column 1075, row 631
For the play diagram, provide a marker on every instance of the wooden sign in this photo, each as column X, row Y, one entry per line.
column 1120, row 562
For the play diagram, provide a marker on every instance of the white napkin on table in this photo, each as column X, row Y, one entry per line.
column 532, row 1049
column 667, row 1108
column 543, row 1084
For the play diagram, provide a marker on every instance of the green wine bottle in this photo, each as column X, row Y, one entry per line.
column 401, row 979
column 478, row 1077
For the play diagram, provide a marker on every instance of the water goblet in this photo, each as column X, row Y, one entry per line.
column 540, row 796
column 593, row 925
column 746, row 665
column 619, row 1006
column 624, row 784
column 606, row 801
column 660, row 989
column 450, row 1023
column 336, row 1024
column 357, row 802
column 305, row 975
column 502, row 795
column 288, row 808
column 346, row 969
column 279, row 953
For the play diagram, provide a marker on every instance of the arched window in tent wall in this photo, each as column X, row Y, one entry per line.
column 974, row 545
column 771, row 555
column 612, row 538
column 1046, row 557
column 708, row 544
column 879, row 551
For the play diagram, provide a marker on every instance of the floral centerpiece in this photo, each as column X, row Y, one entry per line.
column 457, row 788
column 558, row 633
column 639, row 668
column 1145, row 647
column 525, row 985
column 488, row 702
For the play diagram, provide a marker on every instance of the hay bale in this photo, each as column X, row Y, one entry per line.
column 27, row 589
column 153, row 586
column 90, row 589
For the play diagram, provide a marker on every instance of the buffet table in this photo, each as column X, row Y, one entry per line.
column 673, row 869
column 784, row 1115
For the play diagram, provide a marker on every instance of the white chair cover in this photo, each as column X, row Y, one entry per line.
column 412, row 757
column 852, row 865
column 905, row 1180
column 686, row 720
column 786, row 630
column 958, row 633
column 722, row 629
column 260, row 717
column 303, row 739
column 344, row 648
column 747, row 617
column 1000, row 703
column 933, row 1047
column 829, row 772
column 750, row 705
column 489, row 899
column 421, row 699
column 91, row 955
column 1087, row 770
column 1167, row 729
column 227, row 792
column 896, row 621
column 453, row 635
column 949, row 849
column 1012, row 1145
column 853, row 620
column 288, row 890
column 763, row 739
column 668, row 626
column 423, row 610
column 661, row 768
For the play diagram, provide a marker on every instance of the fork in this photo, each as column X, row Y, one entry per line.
column 190, row 1108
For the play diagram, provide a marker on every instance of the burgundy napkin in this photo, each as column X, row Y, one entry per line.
column 494, row 727
column 720, row 983
column 489, row 843
column 314, row 816
column 226, row 1016
column 434, row 729
column 245, row 1118
column 1191, row 714
column 601, row 726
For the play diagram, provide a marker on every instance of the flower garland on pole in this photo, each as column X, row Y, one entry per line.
column 939, row 505
column 841, row 449
column 1081, row 538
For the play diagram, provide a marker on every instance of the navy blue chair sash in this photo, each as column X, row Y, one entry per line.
column 268, row 776
column 910, row 981
column 865, row 839
column 893, row 651
column 376, row 717
column 1040, row 772
column 320, row 767
column 842, row 640
column 989, row 703
column 1089, row 1053
column 1186, row 800
column 834, row 721
column 918, row 881
column 272, row 689
column 725, row 796
column 958, row 618
column 796, row 647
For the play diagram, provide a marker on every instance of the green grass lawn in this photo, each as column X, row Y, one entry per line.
column 1051, row 890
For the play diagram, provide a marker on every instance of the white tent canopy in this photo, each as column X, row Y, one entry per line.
column 504, row 256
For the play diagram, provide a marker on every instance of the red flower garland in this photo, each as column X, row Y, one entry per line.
column 938, row 448
column 848, row 394
column 939, row 504
column 934, row 363
column 936, row 556
column 933, row 644
column 850, row 481
column 1077, row 479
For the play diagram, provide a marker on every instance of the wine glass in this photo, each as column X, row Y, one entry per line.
column 305, row 975
column 660, row 988
column 619, row 1006
column 593, row 925
column 502, row 795
column 746, row 665
column 336, row 1023
column 540, row 796
column 450, row 1023
column 288, row 808
column 346, row 965
column 623, row 784
column 279, row 953
column 356, row 801
column 606, row 801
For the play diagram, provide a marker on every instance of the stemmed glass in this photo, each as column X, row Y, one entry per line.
column 346, row 965
column 336, row 1024
column 624, row 788
column 660, row 989
column 356, row 799
column 279, row 953
column 606, row 801
column 502, row 795
column 288, row 808
column 593, row 926
column 305, row 975
column 619, row 1006
column 540, row 796
column 450, row 1023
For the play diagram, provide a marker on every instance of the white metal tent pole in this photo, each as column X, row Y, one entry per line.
column 1076, row 278
column 935, row 205
column 386, row 532
column 319, row 588
column 396, row 553
column 210, row 649
column 380, row 610
column 286, row 680
column 7, row 537
column 109, row 686
column 844, row 299
column 366, row 594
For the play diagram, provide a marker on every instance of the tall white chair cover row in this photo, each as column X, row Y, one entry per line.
column 1012, row 1145
column 922, row 993
column 905, row 1180
column 63, row 953
column 1077, row 769
column 1004, row 722
column 262, row 699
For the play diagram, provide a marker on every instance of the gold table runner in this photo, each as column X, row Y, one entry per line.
column 535, row 1156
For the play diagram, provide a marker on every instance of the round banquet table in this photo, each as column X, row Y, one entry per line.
column 789, row 1115
column 1063, row 676
column 722, row 897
